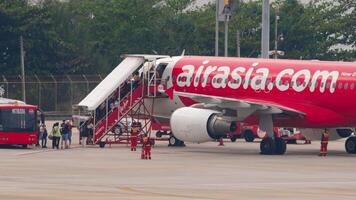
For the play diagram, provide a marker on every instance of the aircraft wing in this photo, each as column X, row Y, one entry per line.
column 243, row 107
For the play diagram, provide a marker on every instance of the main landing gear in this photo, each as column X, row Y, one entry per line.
column 350, row 145
column 270, row 145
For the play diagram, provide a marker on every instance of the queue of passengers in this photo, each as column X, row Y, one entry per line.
column 61, row 131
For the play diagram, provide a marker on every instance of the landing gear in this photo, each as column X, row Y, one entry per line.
column 271, row 146
column 174, row 142
column 350, row 145
column 102, row 144
column 268, row 146
column 248, row 135
column 281, row 146
column 233, row 138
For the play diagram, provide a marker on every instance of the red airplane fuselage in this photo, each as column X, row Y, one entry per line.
column 323, row 93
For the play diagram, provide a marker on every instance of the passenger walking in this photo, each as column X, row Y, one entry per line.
column 65, row 134
column 56, row 135
column 44, row 135
column 324, row 143
column 84, row 132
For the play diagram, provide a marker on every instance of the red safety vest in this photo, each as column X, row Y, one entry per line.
column 325, row 138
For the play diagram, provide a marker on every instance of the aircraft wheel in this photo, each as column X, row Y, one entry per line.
column 233, row 138
column 281, row 146
column 101, row 144
column 268, row 146
column 248, row 135
column 173, row 141
column 158, row 134
column 350, row 145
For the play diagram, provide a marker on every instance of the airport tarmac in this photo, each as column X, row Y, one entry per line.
column 197, row 171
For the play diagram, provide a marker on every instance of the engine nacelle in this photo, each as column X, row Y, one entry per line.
column 334, row 133
column 199, row 125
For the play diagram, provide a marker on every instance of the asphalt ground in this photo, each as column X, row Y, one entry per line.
column 197, row 171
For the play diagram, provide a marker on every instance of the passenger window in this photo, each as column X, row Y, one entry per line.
column 352, row 86
column 346, row 86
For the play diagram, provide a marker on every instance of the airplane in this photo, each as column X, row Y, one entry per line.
column 219, row 91
column 203, row 98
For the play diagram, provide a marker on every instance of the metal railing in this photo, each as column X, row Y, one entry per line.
column 54, row 94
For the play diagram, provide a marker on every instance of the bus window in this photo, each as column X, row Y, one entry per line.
column 17, row 120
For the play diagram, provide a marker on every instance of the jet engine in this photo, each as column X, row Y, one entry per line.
column 199, row 125
column 334, row 133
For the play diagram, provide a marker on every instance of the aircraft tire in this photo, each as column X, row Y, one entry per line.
column 158, row 134
column 350, row 145
column 248, row 135
column 233, row 138
column 102, row 144
column 281, row 146
column 268, row 146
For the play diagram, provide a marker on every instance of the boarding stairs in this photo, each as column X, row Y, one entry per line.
column 124, row 100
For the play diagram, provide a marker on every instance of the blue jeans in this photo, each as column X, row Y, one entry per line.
column 65, row 136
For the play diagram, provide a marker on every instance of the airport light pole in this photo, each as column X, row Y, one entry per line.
column 227, row 16
column 265, row 29
column 23, row 70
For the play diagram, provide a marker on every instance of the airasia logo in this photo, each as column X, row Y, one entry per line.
column 256, row 78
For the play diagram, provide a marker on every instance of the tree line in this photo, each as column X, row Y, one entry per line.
column 88, row 36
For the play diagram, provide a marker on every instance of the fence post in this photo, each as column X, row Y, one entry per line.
column 71, row 93
column 55, row 92
column 39, row 90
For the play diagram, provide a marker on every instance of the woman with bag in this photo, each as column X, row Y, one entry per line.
column 56, row 135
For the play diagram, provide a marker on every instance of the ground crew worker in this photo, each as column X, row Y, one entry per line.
column 146, row 147
column 134, row 134
column 324, row 143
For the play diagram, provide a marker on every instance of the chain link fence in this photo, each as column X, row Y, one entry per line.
column 54, row 94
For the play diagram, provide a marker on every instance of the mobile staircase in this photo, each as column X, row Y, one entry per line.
column 120, row 99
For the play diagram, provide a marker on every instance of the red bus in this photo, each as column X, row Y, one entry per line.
column 18, row 123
